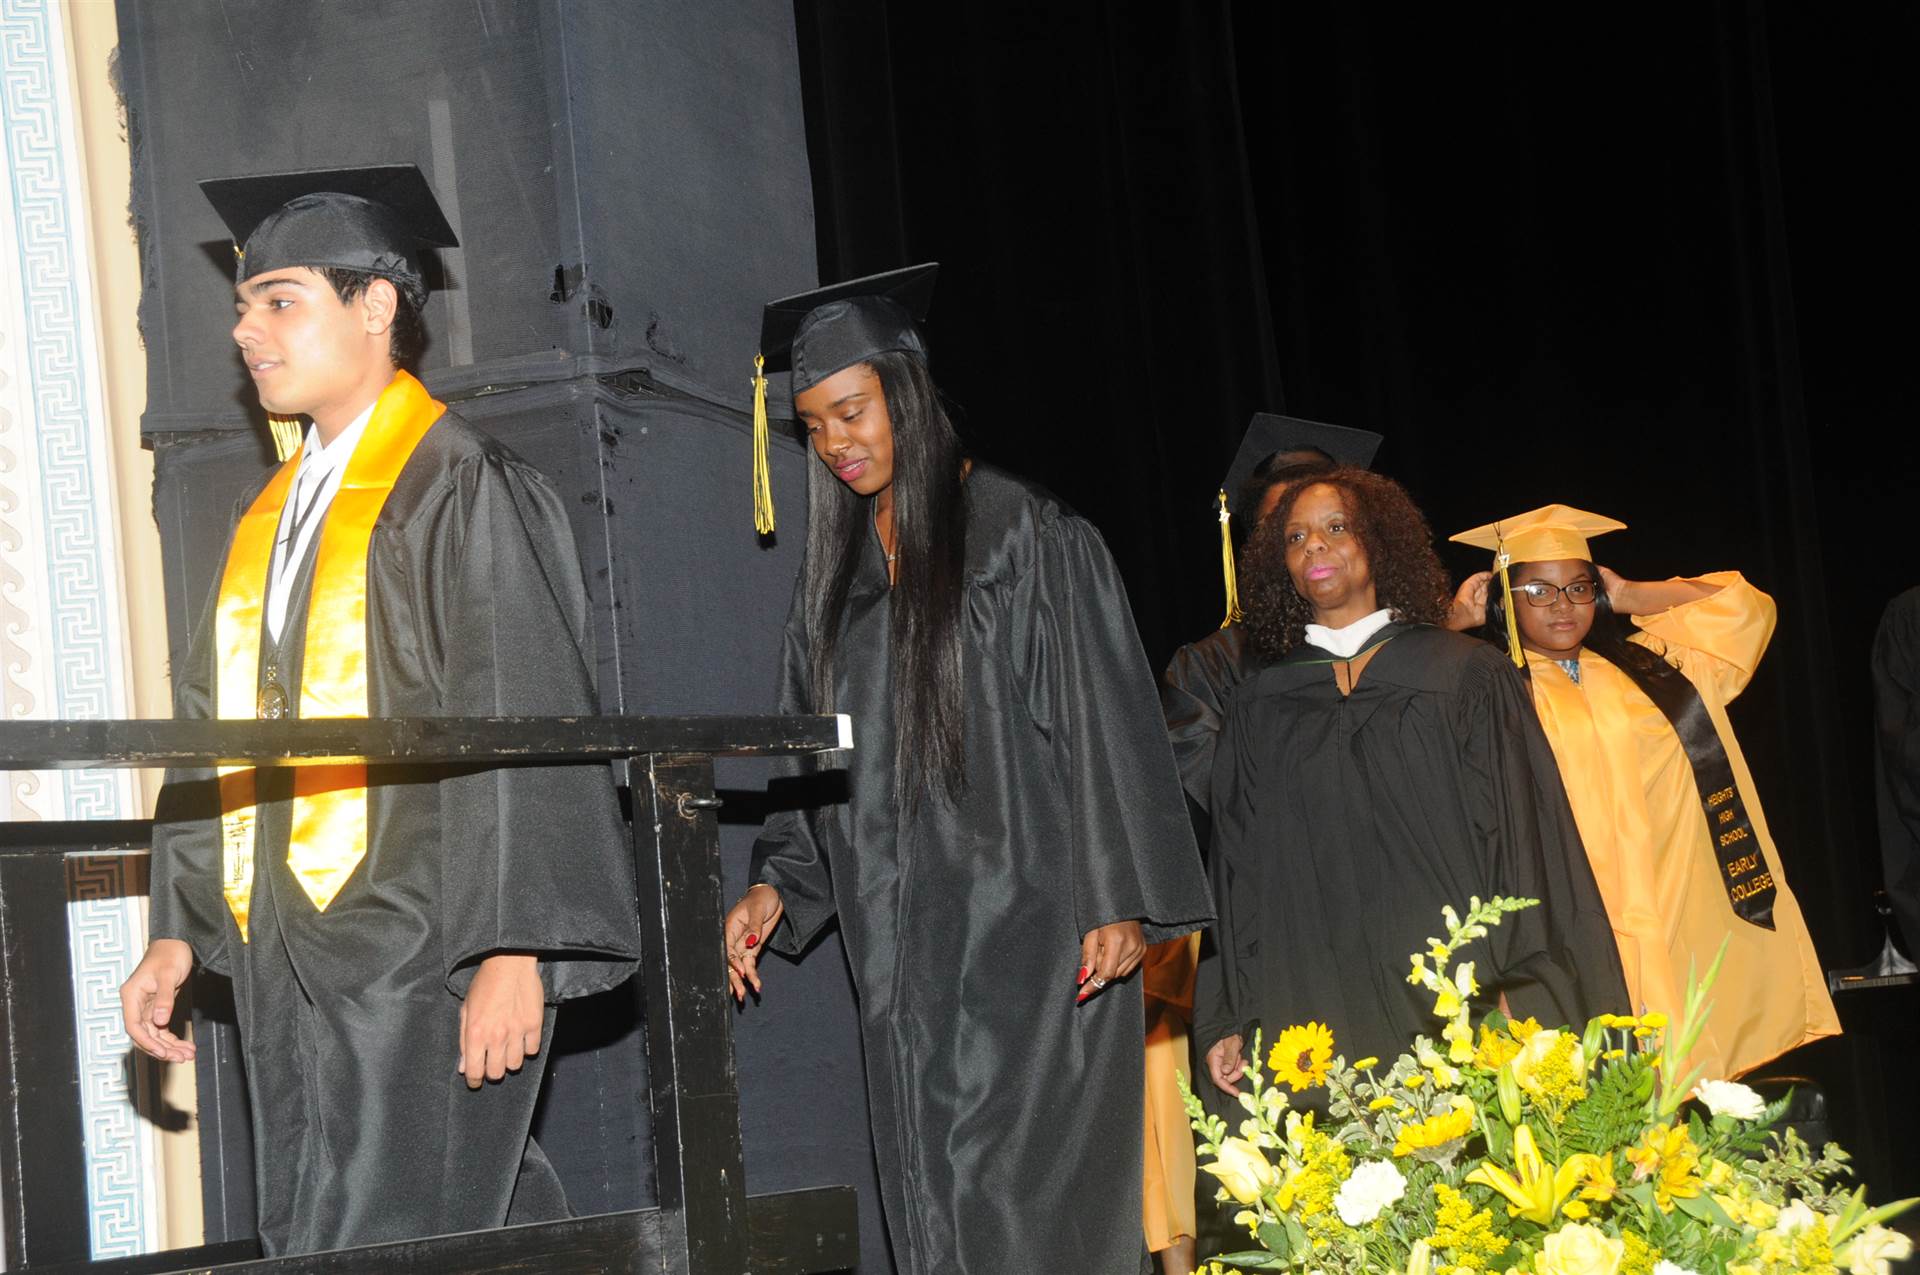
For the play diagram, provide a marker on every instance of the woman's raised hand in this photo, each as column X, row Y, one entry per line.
column 1619, row 590
column 1470, row 603
column 749, row 924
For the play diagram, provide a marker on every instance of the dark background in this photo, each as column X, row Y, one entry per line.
column 1648, row 262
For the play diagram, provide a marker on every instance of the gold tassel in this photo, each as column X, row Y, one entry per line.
column 762, row 476
column 287, row 433
column 1500, row 561
column 1226, row 564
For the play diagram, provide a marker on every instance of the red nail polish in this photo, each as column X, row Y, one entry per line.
column 1081, row 977
column 1083, row 996
column 753, row 940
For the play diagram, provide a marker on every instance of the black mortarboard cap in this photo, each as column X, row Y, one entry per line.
column 815, row 334
column 373, row 219
column 1268, row 434
column 821, row 332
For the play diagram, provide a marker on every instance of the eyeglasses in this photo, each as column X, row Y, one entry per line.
column 1538, row 593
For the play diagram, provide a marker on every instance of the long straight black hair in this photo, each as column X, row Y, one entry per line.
column 924, row 610
column 1606, row 639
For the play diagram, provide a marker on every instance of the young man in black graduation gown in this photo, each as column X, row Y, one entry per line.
column 397, row 937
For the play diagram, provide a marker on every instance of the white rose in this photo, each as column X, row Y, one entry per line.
column 1368, row 1191
column 1730, row 1098
column 1668, row 1268
column 1875, row 1249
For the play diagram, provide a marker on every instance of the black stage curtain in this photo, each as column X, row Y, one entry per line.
column 1643, row 262
column 1101, row 318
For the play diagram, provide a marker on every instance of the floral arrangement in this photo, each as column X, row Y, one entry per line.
column 1528, row 1150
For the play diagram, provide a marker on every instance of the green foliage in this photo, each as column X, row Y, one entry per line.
column 1615, row 1109
column 1788, row 1169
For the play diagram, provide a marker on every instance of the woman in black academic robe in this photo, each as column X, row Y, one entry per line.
column 1377, row 770
column 1013, row 833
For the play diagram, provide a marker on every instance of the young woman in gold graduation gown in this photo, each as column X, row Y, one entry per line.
column 1666, row 806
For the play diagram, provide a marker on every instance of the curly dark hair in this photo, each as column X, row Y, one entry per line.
column 1407, row 576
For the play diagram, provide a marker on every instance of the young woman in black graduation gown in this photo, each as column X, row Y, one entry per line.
column 1377, row 770
column 1014, row 833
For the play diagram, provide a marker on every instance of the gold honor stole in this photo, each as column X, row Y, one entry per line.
column 329, row 833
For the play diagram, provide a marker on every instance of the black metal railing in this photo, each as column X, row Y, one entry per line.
column 705, row 1223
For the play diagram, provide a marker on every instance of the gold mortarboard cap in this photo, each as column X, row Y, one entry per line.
column 1542, row 535
column 1546, row 534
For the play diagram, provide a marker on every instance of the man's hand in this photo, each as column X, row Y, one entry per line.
column 146, row 999
column 1470, row 603
column 1225, row 1065
column 749, row 924
column 501, row 1018
column 1109, row 953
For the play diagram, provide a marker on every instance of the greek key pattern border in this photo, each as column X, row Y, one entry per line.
column 82, row 630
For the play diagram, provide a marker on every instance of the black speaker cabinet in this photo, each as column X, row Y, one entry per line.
column 628, row 178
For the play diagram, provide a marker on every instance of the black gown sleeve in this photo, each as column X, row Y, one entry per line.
column 186, row 901
column 1193, row 695
column 535, row 857
column 1090, row 689
column 1224, row 982
column 789, row 854
column 1556, row 962
column 1896, row 737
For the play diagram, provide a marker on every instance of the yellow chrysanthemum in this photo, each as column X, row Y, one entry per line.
column 1436, row 1131
column 1301, row 1056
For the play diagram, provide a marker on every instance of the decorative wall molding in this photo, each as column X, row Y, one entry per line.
column 63, row 624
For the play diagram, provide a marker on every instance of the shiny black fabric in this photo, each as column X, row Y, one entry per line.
column 818, row 332
column 839, row 335
column 349, row 1018
column 1343, row 824
column 1194, row 692
column 1896, row 738
column 1006, row 1119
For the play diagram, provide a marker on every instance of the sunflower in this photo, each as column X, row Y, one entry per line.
column 1301, row 1056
